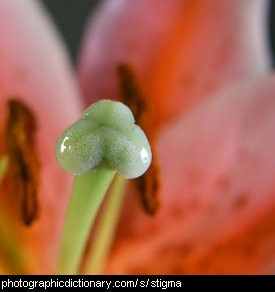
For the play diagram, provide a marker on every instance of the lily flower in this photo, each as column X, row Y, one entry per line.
column 197, row 75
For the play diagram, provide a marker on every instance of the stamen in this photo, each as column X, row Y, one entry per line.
column 24, row 167
column 131, row 93
column 147, row 185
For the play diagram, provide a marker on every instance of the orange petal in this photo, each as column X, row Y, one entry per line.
column 35, row 69
column 182, row 50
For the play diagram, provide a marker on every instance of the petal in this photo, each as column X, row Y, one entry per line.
column 35, row 69
column 182, row 53
column 217, row 167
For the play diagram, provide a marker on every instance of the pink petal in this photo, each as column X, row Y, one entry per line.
column 34, row 67
column 217, row 167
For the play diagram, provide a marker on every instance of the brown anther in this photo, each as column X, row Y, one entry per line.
column 24, row 167
column 147, row 187
column 131, row 94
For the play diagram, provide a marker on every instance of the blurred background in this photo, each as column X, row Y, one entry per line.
column 71, row 16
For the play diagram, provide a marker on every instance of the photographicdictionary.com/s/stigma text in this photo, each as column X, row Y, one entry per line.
column 86, row 283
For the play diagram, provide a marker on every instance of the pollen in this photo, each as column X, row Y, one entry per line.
column 23, row 162
column 133, row 95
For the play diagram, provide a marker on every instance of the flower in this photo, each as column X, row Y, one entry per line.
column 201, row 68
column 196, row 74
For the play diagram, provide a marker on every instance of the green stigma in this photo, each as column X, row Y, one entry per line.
column 105, row 134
